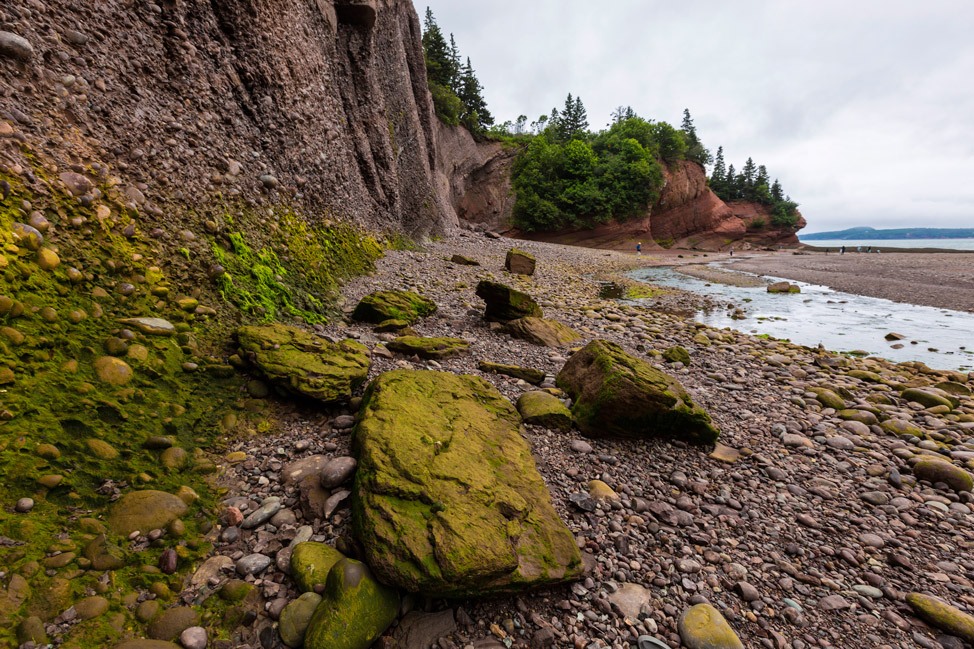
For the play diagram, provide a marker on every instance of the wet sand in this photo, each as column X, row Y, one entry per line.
column 944, row 280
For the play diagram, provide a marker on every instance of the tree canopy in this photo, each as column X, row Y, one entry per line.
column 753, row 184
column 456, row 91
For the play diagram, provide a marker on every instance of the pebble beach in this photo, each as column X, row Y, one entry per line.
column 805, row 527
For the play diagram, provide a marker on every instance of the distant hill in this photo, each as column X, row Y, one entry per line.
column 899, row 233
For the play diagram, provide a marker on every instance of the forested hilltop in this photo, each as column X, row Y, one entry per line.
column 893, row 233
column 568, row 176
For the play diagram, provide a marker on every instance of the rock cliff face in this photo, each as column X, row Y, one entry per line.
column 322, row 103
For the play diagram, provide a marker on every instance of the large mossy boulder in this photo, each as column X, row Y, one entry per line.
column 520, row 262
column 703, row 627
column 542, row 331
column 447, row 500
column 144, row 511
column 505, row 303
column 930, row 397
column 540, row 408
column 428, row 347
column 311, row 562
column 943, row 616
column 354, row 611
column 935, row 470
column 380, row 306
column 304, row 363
column 616, row 394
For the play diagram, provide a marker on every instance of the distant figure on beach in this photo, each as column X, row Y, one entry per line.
column 842, row 250
column 639, row 248
column 869, row 249
column 858, row 248
column 732, row 252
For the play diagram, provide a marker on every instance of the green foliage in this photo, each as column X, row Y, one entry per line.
column 753, row 184
column 448, row 106
column 456, row 91
column 696, row 151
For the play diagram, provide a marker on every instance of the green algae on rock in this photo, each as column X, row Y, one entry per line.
column 542, row 409
column 528, row 374
column 901, row 427
column 393, row 305
column 304, row 363
column 703, row 627
column 447, row 500
column 428, row 347
column 677, row 354
column 541, row 331
column 311, row 562
column 144, row 511
column 616, row 394
column 520, row 262
column 942, row 615
column 296, row 617
column 935, row 470
column 929, row 398
column 505, row 303
column 355, row 609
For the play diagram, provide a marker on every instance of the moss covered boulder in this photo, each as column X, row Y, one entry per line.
column 355, row 609
column 828, row 398
column 533, row 376
column 144, row 511
column 311, row 563
column 784, row 287
column 703, row 627
column 304, row 363
column 520, row 262
column 505, row 303
column 296, row 617
column 541, row 331
column 447, row 500
column 930, row 397
column 428, row 347
column 542, row 409
column 935, row 470
column 677, row 354
column 393, row 305
column 617, row 394
column 901, row 427
column 942, row 615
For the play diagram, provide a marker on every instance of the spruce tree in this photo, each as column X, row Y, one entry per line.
column 777, row 194
column 730, row 184
column 718, row 179
column 455, row 66
column 749, row 171
column 476, row 116
column 438, row 54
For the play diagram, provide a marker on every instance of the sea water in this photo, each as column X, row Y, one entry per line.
column 891, row 244
column 841, row 322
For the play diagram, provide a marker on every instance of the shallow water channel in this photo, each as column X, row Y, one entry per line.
column 842, row 322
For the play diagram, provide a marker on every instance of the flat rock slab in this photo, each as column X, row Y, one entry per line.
column 428, row 347
column 618, row 395
column 151, row 326
column 393, row 305
column 542, row 331
column 505, row 303
column 447, row 499
column 301, row 362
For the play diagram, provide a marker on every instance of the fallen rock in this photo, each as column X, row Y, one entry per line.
column 304, row 363
column 616, row 394
column 172, row 622
column 393, row 305
column 505, row 303
column 460, row 260
column 428, row 347
column 311, row 562
column 541, row 331
column 631, row 599
column 447, row 499
column 144, row 511
column 337, row 472
column 703, row 627
column 520, row 262
column 533, row 376
column 17, row 47
column 540, row 408
column 942, row 615
column 354, row 611
column 296, row 617
column 784, row 287
column 935, row 470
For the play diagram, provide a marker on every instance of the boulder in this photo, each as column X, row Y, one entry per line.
column 901, row 427
column 428, row 347
column 393, row 305
column 520, row 262
column 533, row 376
column 296, row 617
column 616, row 394
column 15, row 47
column 935, row 470
column 172, row 622
column 505, row 303
column 417, row 629
column 113, row 371
column 942, row 615
column 541, row 331
column 677, row 354
column 929, row 398
column 539, row 408
column 354, row 611
column 828, row 398
column 311, row 562
column 447, row 499
column 703, row 627
column 144, row 511
column 784, row 287
column 460, row 260
column 304, row 363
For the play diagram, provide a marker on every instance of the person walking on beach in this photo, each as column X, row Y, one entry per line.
column 842, row 250
column 639, row 248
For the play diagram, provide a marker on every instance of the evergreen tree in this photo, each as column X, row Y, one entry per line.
column 749, row 172
column 696, row 151
column 439, row 68
column 776, row 193
column 476, row 116
column 730, row 186
column 573, row 121
column 718, row 179
column 454, row 66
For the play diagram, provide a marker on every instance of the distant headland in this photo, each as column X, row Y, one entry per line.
column 897, row 233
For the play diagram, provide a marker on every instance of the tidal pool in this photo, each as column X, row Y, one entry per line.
column 841, row 322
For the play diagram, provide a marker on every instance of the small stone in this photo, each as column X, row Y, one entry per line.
column 24, row 505
column 113, row 370
column 47, row 259
column 252, row 564
column 834, row 603
column 193, row 638
column 581, row 446
column 261, row 515
column 337, row 472
column 17, row 47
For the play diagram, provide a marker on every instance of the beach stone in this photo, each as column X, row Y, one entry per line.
column 295, row 617
column 420, row 630
column 47, row 259
column 954, row 388
column 901, row 427
column 460, row 260
column 784, row 287
column 677, row 354
column 926, row 398
column 725, row 453
column 935, row 470
column 172, row 622
column 380, row 306
column 598, row 490
column 938, row 613
column 616, row 394
column 113, row 371
column 235, row 590
column 428, row 347
column 535, row 377
column 150, row 326
column 103, row 555
column 505, row 303
column 544, row 332
column 31, row 629
column 703, row 627
column 268, row 507
column 834, row 603
column 193, row 638
column 306, row 364
column 520, row 262
column 298, row 470
column 144, row 511
column 91, row 607
column 76, row 184
column 828, row 398
column 13, row 46
column 311, row 563
column 24, row 505
column 581, row 446
column 630, row 599
column 212, row 568
column 540, row 408
column 253, row 564
column 101, row 449
column 337, row 472
column 447, row 499
column 355, row 609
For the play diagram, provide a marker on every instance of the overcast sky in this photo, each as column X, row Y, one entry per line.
column 864, row 109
